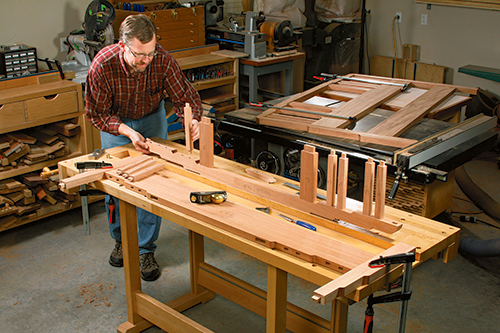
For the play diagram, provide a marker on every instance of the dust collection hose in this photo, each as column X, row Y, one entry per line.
column 476, row 247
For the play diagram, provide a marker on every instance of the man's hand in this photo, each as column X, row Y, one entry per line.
column 195, row 130
column 137, row 139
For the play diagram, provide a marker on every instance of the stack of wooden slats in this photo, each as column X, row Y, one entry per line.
column 35, row 145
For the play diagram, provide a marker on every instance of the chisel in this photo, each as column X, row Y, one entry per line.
column 301, row 223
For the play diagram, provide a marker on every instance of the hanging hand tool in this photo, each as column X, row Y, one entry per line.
column 272, row 106
column 328, row 77
column 208, row 197
column 297, row 222
column 404, row 258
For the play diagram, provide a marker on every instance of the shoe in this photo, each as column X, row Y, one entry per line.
column 116, row 257
column 150, row 270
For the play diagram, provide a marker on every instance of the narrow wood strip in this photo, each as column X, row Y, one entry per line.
column 146, row 172
column 362, row 136
column 400, row 121
column 355, row 90
column 380, row 194
column 368, row 187
column 206, row 143
column 331, row 179
column 343, row 181
column 188, row 117
column 308, row 173
column 144, row 164
column 134, row 161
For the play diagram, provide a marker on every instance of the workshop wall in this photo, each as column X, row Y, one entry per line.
column 453, row 37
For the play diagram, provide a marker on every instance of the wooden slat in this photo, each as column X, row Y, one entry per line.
column 400, row 121
column 359, row 107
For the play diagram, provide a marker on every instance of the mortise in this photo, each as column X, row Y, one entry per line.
column 154, row 198
column 286, row 249
column 297, row 253
column 260, row 240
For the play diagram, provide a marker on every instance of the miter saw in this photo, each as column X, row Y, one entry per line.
column 97, row 32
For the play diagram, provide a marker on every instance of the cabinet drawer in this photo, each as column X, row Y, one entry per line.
column 161, row 17
column 179, row 42
column 170, row 34
column 11, row 114
column 51, row 106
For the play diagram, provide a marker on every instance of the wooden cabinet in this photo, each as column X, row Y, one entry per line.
column 38, row 104
column 177, row 28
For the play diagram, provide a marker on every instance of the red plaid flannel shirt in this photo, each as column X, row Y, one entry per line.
column 112, row 93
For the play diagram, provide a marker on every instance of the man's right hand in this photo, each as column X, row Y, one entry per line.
column 137, row 139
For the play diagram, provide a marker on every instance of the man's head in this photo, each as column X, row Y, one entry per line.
column 138, row 40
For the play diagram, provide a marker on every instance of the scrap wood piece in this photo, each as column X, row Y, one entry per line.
column 7, row 221
column 260, row 175
column 22, row 137
column 65, row 128
column 44, row 136
column 357, row 277
column 359, row 107
column 5, row 141
column 266, row 230
column 8, row 210
column 247, row 185
column 52, row 148
column 407, row 116
column 12, row 158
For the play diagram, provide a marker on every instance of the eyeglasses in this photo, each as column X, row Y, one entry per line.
column 141, row 56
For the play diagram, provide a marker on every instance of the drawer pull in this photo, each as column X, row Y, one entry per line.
column 153, row 15
column 50, row 97
column 194, row 10
column 175, row 14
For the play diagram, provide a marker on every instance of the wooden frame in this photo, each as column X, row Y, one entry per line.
column 355, row 96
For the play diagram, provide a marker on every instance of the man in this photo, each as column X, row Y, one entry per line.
column 126, row 85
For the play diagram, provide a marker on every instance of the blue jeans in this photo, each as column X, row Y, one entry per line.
column 153, row 125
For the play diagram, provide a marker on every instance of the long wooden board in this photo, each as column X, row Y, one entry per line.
column 400, row 121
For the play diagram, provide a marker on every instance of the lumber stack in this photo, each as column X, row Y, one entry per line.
column 35, row 145
column 29, row 197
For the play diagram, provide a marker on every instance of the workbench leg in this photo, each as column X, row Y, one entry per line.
column 197, row 256
column 131, row 267
column 339, row 316
column 276, row 300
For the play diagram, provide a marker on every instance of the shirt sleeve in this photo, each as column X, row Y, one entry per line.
column 181, row 91
column 99, row 101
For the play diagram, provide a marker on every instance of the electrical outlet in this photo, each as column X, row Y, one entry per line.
column 423, row 19
column 64, row 46
column 399, row 16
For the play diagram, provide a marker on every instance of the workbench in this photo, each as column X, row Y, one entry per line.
column 431, row 240
column 255, row 68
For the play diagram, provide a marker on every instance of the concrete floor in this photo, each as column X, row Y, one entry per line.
column 56, row 279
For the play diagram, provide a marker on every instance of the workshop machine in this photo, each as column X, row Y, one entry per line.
column 260, row 37
column 97, row 32
column 420, row 177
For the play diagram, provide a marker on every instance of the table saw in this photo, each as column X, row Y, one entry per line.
column 421, row 156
